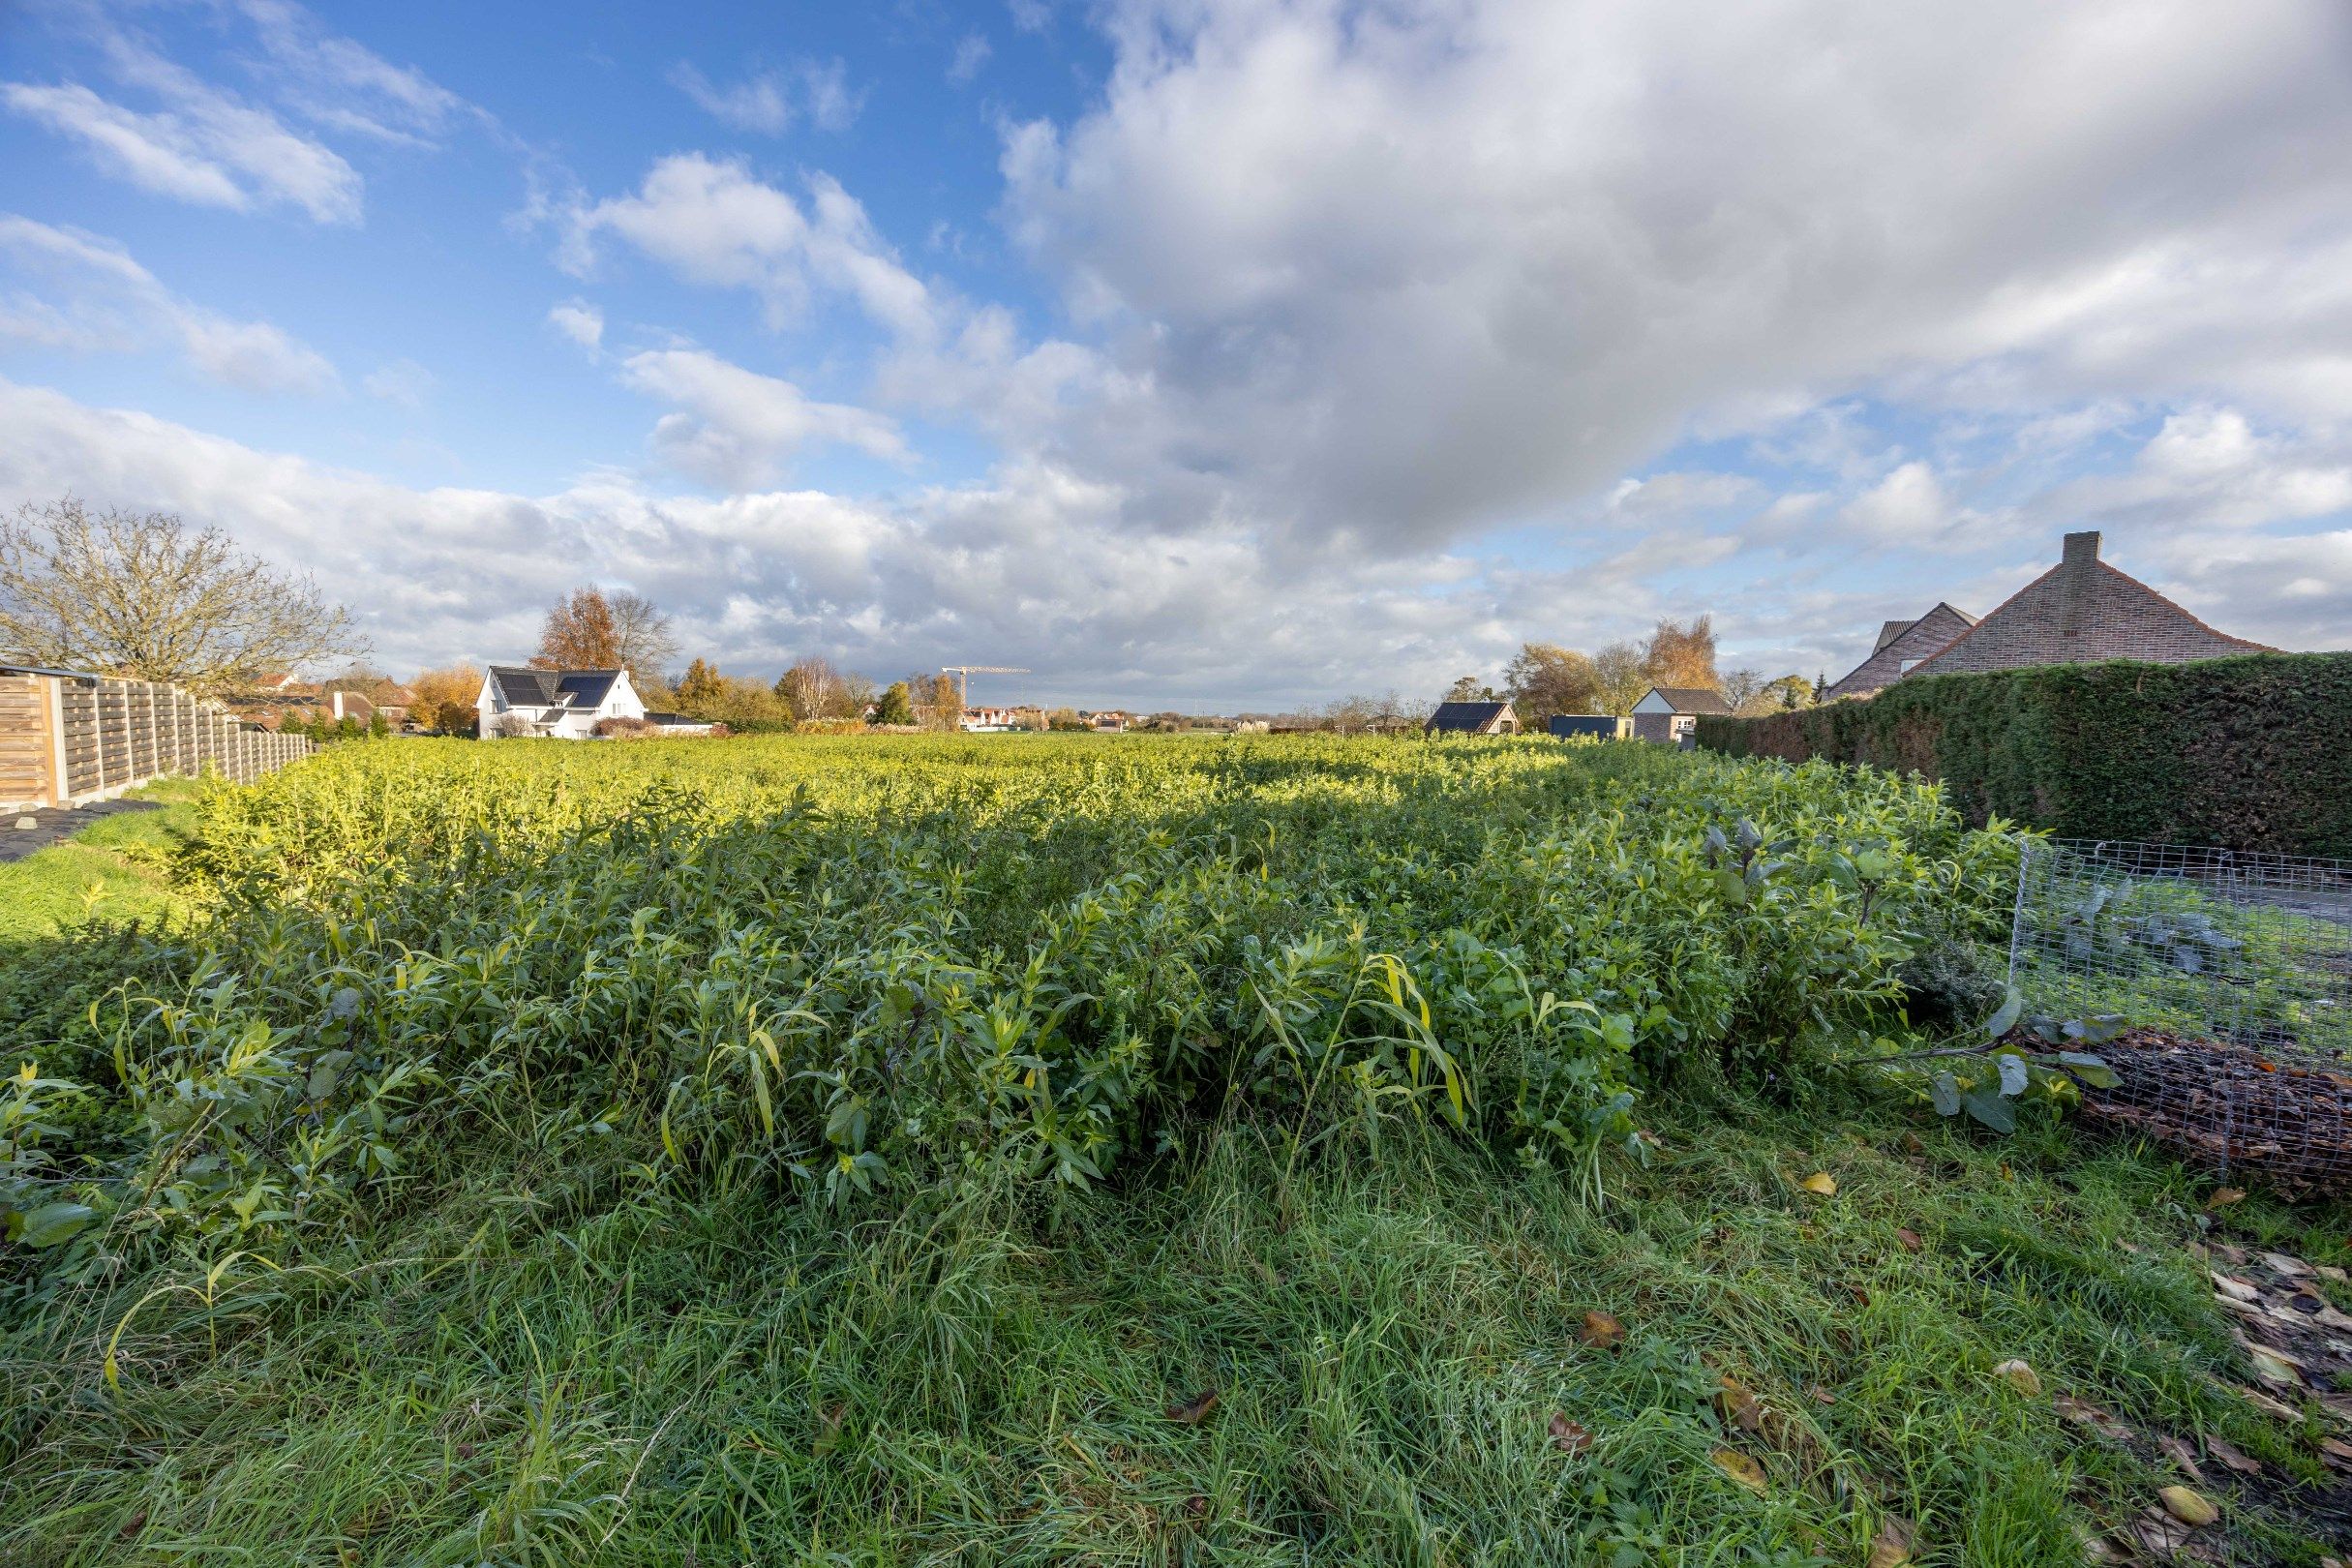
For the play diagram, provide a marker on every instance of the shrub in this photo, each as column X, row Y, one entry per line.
column 2242, row 753
column 623, row 729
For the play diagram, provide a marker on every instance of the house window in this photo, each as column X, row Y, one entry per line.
column 1908, row 664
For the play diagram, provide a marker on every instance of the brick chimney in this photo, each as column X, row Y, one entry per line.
column 2078, row 572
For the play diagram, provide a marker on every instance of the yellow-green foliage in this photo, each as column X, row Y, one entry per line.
column 849, row 964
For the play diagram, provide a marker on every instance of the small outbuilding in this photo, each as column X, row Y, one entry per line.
column 1599, row 726
column 1667, row 714
column 1473, row 719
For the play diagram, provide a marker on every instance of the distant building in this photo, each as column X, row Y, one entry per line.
column 1599, row 726
column 1901, row 646
column 1670, row 713
column 992, row 719
column 566, row 703
column 1111, row 721
column 1473, row 719
column 2079, row 612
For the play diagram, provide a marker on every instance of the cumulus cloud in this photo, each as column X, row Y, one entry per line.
column 737, row 427
column 404, row 381
column 1028, row 564
column 1412, row 270
column 82, row 291
column 712, row 220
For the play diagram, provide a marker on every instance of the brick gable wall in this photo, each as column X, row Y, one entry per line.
column 1922, row 637
column 2081, row 610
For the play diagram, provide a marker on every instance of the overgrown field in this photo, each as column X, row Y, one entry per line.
column 855, row 1151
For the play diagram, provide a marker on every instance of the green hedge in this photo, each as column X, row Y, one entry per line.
column 2246, row 753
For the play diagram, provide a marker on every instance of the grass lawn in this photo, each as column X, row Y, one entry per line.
column 534, row 1371
column 112, row 869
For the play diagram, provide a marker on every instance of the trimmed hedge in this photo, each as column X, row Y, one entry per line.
column 2247, row 753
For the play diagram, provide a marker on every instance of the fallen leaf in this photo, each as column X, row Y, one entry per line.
column 2339, row 1453
column 1891, row 1547
column 2329, row 1271
column 1601, row 1332
column 2235, row 1458
column 2269, row 1405
column 2159, row 1533
column 2019, row 1377
column 1196, row 1506
column 1909, row 1238
column 2007, row 1174
column 1194, row 1411
column 2272, row 1367
column 2083, row 1413
column 133, row 1525
column 829, row 1429
column 1570, row 1438
column 1740, row 1467
column 2235, row 1289
column 1913, row 1144
column 1820, row 1183
column 1737, row 1406
column 2189, row 1507
column 1820, row 1396
column 2294, row 1268
column 2182, row 1455
column 2223, row 1197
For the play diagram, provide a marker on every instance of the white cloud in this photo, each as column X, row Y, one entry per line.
column 82, row 291
column 1413, row 270
column 767, row 102
column 579, row 321
column 972, row 52
column 737, row 427
column 206, row 145
column 1030, row 16
column 713, row 221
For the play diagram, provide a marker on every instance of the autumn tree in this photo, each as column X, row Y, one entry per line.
column 1469, row 689
column 1789, row 693
column 1545, row 678
column 580, row 633
column 444, row 698
column 700, row 689
column 142, row 594
column 1680, row 655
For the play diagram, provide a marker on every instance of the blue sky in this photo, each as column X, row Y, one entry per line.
column 1206, row 353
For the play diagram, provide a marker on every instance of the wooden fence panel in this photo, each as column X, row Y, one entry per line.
column 62, row 738
column 24, row 742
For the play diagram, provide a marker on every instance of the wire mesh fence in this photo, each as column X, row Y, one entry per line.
column 2229, row 978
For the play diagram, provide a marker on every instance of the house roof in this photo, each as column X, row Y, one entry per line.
column 522, row 686
column 1467, row 717
column 2100, row 573
column 1900, row 641
column 1693, row 699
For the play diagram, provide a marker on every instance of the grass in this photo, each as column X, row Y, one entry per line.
column 113, row 870
column 532, row 1371
column 534, row 1337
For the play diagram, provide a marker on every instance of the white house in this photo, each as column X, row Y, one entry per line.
column 566, row 703
column 1670, row 713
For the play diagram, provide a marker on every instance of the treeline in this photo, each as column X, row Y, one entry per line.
column 1545, row 678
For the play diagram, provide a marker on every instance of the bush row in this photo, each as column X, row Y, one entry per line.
column 2244, row 753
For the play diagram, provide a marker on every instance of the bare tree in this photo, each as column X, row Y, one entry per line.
column 815, row 691
column 1740, row 689
column 642, row 640
column 142, row 594
column 1618, row 669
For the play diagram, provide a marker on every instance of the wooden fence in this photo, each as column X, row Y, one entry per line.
column 66, row 739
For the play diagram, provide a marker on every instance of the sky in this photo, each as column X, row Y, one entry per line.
column 1205, row 354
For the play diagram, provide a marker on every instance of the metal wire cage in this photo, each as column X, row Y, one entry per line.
column 2231, row 974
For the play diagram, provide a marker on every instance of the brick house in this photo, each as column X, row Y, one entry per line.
column 1901, row 646
column 2079, row 612
column 1669, row 714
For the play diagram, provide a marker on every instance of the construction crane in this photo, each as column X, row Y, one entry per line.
column 963, row 687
